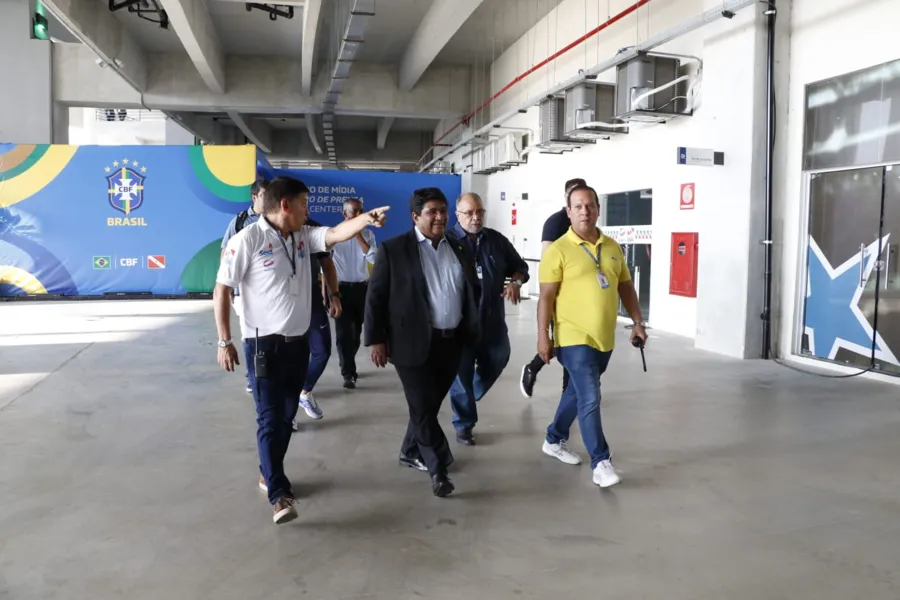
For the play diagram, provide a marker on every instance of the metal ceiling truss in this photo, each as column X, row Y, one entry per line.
column 143, row 9
column 284, row 11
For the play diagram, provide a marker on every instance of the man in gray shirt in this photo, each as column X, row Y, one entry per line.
column 352, row 259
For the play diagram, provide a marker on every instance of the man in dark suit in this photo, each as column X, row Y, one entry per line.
column 421, row 309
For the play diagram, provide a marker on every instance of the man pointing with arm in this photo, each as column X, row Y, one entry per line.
column 269, row 260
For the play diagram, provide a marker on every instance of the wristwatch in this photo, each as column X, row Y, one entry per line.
column 515, row 281
column 336, row 295
column 225, row 343
column 640, row 324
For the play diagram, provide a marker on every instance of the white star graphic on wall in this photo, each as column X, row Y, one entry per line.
column 833, row 318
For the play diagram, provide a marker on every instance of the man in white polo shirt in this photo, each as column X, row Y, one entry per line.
column 269, row 260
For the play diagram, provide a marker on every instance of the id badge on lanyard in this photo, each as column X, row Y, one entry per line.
column 601, row 276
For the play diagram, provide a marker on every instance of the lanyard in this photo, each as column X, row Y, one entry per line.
column 593, row 258
column 290, row 254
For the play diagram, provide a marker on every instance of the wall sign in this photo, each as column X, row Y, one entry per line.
column 513, row 213
column 700, row 157
column 688, row 196
column 502, row 196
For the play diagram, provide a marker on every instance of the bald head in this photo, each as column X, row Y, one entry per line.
column 470, row 212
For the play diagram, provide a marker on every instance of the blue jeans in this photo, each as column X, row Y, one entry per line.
column 319, row 342
column 478, row 370
column 276, row 404
column 582, row 399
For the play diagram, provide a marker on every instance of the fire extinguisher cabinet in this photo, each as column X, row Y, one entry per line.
column 683, row 265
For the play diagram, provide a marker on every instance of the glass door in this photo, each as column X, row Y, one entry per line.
column 629, row 218
column 888, row 339
column 841, row 295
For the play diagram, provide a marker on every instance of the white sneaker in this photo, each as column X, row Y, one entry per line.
column 605, row 474
column 309, row 405
column 561, row 451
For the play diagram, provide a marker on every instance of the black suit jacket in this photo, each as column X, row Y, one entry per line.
column 397, row 309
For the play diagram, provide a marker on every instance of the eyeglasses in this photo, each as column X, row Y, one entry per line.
column 471, row 213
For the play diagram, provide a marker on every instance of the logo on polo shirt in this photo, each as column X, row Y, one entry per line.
column 301, row 252
column 267, row 252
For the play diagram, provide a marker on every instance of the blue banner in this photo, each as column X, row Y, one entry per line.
column 95, row 220
column 329, row 189
column 99, row 220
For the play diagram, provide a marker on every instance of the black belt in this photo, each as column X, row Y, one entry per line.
column 445, row 333
column 354, row 283
column 277, row 337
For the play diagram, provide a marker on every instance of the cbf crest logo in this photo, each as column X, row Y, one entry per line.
column 125, row 184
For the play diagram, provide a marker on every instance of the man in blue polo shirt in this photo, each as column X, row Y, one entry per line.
column 496, row 260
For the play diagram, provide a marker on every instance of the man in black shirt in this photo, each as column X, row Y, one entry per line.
column 555, row 227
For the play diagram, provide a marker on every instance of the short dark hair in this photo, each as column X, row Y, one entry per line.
column 423, row 195
column 259, row 186
column 573, row 182
column 282, row 187
column 579, row 188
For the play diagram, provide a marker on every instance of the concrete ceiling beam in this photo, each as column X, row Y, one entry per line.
column 443, row 19
column 311, row 130
column 197, row 33
column 94, row 25
column 263, row 85
column 312, row 11
column 384, row 126
column 258, row 132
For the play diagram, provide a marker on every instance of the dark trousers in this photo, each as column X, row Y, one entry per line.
column 537, row 363
column 425, row 387
column 348, row 327
column 479, row 369
column 276, row 404
column 319, row 341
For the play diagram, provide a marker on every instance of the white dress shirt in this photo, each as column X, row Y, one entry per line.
column 350, row 261
column 444, row 276
column 274, row 276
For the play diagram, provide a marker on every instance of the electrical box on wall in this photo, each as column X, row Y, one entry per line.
column 683, row 265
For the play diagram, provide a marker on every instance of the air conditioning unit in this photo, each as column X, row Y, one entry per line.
column 509, row 150
column 553, row 139
column 650, row 89
column 590, row 112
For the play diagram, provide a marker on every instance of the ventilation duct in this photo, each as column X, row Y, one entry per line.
column 590, row 112
column 651, row 89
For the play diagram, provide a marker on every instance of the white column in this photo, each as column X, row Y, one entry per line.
column 27, row 113
column 730, row 219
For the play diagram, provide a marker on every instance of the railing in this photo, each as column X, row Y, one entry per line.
column 128, row 114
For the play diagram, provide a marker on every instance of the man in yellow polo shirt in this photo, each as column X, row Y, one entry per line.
column 582, row 275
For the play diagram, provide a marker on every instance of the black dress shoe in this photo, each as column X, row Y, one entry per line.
column 441, row 485
column 465, row 437
column 349, row 383
column 412, row 463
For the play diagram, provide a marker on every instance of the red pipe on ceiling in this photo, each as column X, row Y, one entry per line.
column 543, row 63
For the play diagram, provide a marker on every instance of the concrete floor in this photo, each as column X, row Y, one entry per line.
column 128, row 470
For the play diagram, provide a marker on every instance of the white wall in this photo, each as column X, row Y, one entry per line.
column 724, row 317
column 828, row 38
column 85, row 129
column 570, row 20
